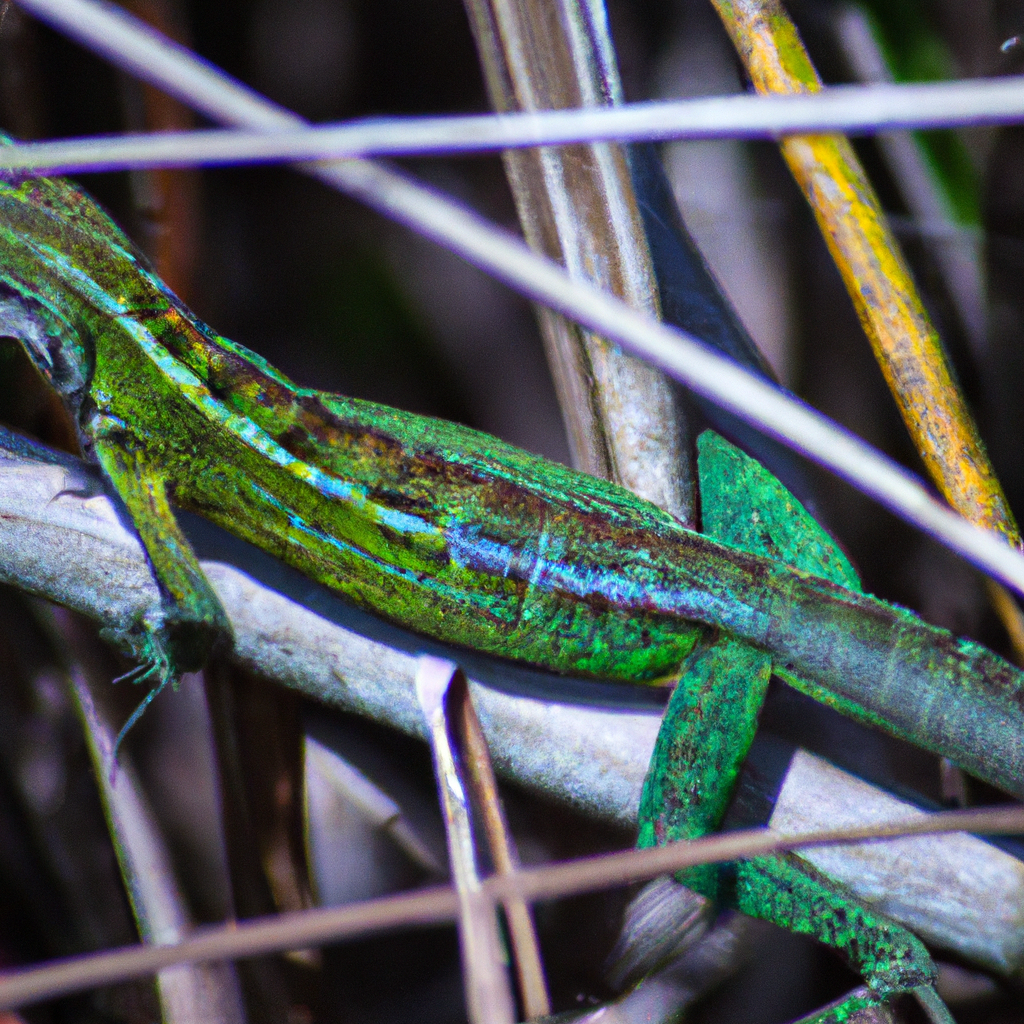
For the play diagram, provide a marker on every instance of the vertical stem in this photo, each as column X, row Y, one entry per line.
column 477, row 759
column 577, row 205
column 261, row 978
column 488, row 994
column 167, row 197
column 848, row 211
column 188, row 993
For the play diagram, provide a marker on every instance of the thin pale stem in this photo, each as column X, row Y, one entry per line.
column 850, row 109
column 158, row 904
column 488, row 992
column 484, row 787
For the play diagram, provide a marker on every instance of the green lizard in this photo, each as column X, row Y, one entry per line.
column 466, row 539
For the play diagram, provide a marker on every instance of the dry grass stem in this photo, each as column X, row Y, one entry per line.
column 189, row 992
column 442, row 904
column 577, row 207
column 485, row 976
column 484, row 786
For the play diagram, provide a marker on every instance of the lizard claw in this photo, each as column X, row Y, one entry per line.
column 137, row 675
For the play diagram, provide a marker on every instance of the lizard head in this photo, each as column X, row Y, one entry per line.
column 52, row 343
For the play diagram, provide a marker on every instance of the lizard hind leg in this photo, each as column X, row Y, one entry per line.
column 705, row 734
column 745, row 506
column 708, row 728
column 862, row 1007
column 786, row 890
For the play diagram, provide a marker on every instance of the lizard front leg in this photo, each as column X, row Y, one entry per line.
column 191, row 619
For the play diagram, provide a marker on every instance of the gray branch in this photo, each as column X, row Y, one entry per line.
column 61, row 538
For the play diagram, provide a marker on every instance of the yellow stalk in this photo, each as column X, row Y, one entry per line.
column 904, row 341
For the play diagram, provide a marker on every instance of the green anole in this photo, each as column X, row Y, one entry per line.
column 469, row 540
